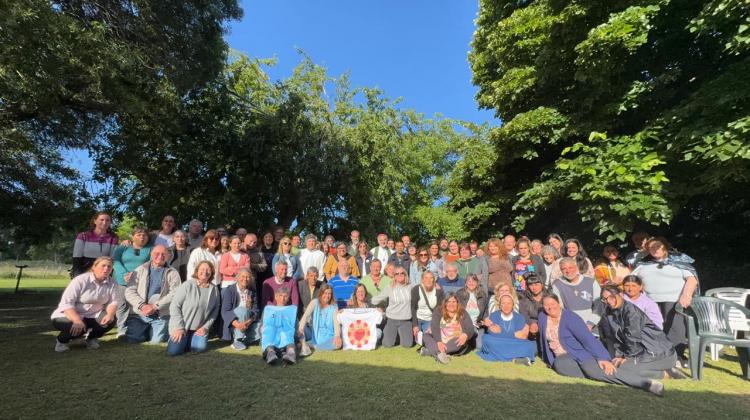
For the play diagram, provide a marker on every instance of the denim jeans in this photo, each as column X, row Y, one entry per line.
column 141, row 328
column 252, row 333
column 190, row 341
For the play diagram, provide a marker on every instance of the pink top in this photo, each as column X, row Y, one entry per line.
column 87, row 296
column 228, row 267
column 553, row 338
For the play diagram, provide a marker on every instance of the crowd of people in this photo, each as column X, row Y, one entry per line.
column 509, row 299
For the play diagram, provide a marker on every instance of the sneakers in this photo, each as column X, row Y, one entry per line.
column 656, row 388
column 525, row 361
column 92, row 344
column 675, row 373
column 289, row 356
column 271, row 356
column 423, row 351
column 443, row 358
column 239, row 345
column 61, row 347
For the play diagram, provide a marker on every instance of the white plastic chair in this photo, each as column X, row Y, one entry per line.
column 736, row 318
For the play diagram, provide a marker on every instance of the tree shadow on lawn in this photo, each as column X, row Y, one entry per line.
column 141, row 381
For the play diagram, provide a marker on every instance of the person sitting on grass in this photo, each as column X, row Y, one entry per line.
column 530, row 303
column 474, row 300
column 633, row 292
column 152, row 289
column 193, row 311
column 570, row 349
column 507, row 336
column 279, row 328
column 323, row 331
column 239, row 311
column 87, row 307
column 450, row 331
column 640, row 346
column 425, row 297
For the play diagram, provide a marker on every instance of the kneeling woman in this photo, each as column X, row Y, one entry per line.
column 319, row 326
column 87, row 307
column 193, row 311
column 571, row 350
column 450, row 330
column 278, row 329
column 507, row 335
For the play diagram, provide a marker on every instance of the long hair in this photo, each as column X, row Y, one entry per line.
column 459, row 308
column 501, row 251
column 583, row 265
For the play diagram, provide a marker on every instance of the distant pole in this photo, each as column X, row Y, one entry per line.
column 18, row 275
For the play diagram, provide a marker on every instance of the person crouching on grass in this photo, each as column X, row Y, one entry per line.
column 87, row 307
column 279, row 329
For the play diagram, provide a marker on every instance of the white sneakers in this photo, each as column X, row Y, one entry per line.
column 91, row 344
column 61, row 347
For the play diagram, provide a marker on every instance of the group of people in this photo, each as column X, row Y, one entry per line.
column 509, row 299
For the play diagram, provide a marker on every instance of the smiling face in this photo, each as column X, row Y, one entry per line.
column 234, row 245
column 506, row 304
column 203, row 273
column 326, row 296
column 632, row 289
column 571, row 249
column 268, row 240
column 341, row 250
column 569, row 270
column 167, row 224
column 552, row 308
column 180, row 239
column 451, row 272
column 453, row 247
column 361, row 294
column 251, row 240
column 243, row 279
column 102, row 223
column 159, row 255
column 451, row 305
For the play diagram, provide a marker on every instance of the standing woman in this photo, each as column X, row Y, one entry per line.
column 180, row 254
column 498, row 264
column 556, row 241
column 506, row 337
column 668, row 279
column 450, row 331
column 398, row 310
column 421, row 265
column 551, row 258
column 125, row 260
column 231, row 262
column 323, row 331
column 609, row 269
column 208, row 251
column 96, row 242
column 363, row 258
column 294, row 267
column 574, row 249
column 87, row 307
column 193, row 311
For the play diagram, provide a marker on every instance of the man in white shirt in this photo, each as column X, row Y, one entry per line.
column 510, row 245
column 164, row 236
column 311, row 256
column 381, row 252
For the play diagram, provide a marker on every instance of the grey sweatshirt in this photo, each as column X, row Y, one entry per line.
column 193, row 307
column 579, row 297
column 399, row 301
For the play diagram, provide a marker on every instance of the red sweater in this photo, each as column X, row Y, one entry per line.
column 228, row 268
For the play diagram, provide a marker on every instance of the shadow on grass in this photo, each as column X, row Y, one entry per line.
column 140, row 381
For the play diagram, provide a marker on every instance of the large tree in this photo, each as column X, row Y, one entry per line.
column 616, row 114
column 69, row 71
column 246, row 151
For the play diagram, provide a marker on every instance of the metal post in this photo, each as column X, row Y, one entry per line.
column 18, row 275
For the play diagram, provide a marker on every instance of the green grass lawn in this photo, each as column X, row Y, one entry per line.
column 140, row 381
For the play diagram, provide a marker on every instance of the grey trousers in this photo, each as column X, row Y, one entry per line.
column 123, row 310
column 567, row 366
column 398, row 328
column 651, row 369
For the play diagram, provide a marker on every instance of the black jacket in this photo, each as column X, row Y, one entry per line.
column 636, row 335
column 482, row 301
column 530, row 308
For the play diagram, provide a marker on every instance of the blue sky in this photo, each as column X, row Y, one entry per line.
column 413, row 49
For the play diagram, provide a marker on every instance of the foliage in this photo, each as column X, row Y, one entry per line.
column 616, row 115
column 246, row 151
column 69, row 70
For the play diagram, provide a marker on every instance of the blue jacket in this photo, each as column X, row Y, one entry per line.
column 575, row 338
column 295, row 271
column 230, row 300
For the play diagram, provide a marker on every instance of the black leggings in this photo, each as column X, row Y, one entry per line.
column 93, row 327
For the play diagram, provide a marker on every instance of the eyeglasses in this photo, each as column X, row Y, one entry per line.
column 423, row 255
column 608, row 298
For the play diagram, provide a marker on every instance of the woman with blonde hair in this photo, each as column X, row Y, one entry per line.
column 284, row 252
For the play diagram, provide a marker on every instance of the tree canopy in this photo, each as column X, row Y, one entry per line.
column 616, row 115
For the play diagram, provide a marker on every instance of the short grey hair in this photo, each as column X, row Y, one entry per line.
column 313, row 269
column 569, row 260
column 549, row 249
